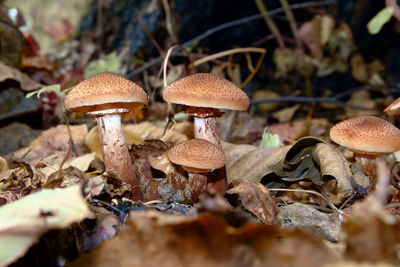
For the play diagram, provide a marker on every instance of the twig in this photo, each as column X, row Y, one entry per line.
column 228, row 25
column 340, row 212
column 150, row 36
column 270, row 22
column 168, row 21
column 292, row 23
column 226, row 53
column 304, row 99
column 253, row 73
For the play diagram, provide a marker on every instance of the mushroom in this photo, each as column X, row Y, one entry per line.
column 367, row 136
column 106, row 96
column 394, row 108
column 204, row 94
column 198, row 157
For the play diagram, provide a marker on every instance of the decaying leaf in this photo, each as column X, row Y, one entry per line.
column 156, row 239
column 23, row 221
column 255, row 198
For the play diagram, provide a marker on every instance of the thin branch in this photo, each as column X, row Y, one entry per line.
column 340, row 212
column 229, row 25
column 292, row 23
column 270, row 22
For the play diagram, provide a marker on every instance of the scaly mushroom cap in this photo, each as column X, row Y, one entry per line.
column 394, row 108
column 367, row 135
column 197, row 154
column 105, row 91
column 206, row 90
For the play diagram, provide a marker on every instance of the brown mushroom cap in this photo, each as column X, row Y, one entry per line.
column 105, row 91
column 206, row 90
column 197, row 154
column 367, row 135
column 394, row 108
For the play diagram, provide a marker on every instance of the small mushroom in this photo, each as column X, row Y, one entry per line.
column 367, row 136
column 198, row 157
column 394, row 108
column 106, row 96
column 204, row 94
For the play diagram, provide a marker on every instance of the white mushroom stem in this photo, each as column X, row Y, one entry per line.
column 206, row 128
column 115, row 152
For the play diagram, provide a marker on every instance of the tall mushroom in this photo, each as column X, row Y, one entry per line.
column 367, row 136
column 204, row 94
column 198, row 157
column 106, row 96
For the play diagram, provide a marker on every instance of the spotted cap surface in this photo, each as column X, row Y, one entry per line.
column 105, row 91
column 197, row 153
column 367, row 135
column 206, row 90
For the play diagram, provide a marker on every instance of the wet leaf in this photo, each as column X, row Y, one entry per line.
column 23, row 221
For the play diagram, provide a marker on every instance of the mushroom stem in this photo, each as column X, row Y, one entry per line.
column 115, row 152
column 197, row 185
column 206, row 128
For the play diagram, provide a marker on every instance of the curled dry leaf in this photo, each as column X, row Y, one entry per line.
column 333, row 166
column 155, row 239
column 255, row 198
column 23, row 221
column 303, row 160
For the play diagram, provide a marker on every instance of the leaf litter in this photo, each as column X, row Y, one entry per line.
column 287, row 198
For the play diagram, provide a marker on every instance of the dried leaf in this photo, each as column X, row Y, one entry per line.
column 156, row 239
column 326, row 225
column 255, row 198
column 333, row 166
column 53, row 141
column 266, row 94
column 371, row 234
column 7, row 72
column 23, row 221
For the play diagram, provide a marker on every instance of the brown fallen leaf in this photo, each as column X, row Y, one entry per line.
column 155, row 239
column 7, row 72
column 255, row 198
column 326, row 225
column 53, row 141
column 371, row 234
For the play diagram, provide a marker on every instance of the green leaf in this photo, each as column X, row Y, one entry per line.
column 270, row 140
column 52, row 88
column 23, row 221
column 108, row 63
column 380, row 19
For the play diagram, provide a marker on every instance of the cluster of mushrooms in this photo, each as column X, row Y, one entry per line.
column 106, row 96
